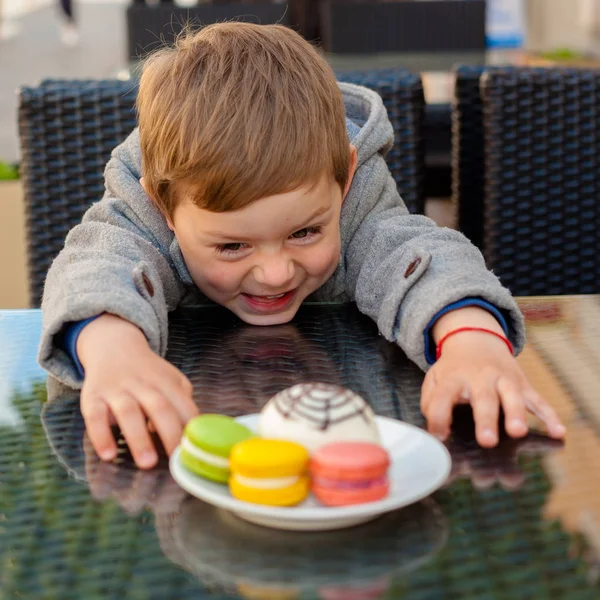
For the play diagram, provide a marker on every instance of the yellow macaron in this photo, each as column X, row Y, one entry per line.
column 272, row 472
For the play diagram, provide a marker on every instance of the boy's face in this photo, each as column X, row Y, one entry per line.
column 262, row 261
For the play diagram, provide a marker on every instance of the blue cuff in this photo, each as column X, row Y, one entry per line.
column 69, row 342
column 430, row 346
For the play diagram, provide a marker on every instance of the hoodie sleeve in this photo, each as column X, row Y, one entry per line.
column 403, row 269
column 116, row 261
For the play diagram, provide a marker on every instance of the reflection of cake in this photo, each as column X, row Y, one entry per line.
column 313, row 414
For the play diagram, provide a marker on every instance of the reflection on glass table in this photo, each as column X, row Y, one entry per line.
column 520, row 521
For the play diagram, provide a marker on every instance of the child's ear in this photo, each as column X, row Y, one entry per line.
column 143, row 184
column 351, row 169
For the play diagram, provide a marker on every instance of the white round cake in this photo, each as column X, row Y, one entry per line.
column 314, row 414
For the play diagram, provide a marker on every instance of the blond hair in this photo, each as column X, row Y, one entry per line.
column 239, row 112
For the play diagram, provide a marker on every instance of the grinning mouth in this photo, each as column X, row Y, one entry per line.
column 271, row 297
column 274, row 302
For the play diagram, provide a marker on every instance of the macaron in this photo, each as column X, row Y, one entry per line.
column 345, row 473
column 272, row 472
column 207, row 442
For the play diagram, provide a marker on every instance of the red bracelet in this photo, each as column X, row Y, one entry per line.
column 438, row 352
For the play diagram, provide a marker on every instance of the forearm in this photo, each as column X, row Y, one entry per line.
column 104, row 335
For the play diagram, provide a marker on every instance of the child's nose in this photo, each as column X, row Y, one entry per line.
column 275, row 272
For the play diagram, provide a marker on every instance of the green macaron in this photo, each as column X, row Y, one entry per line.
column 207, row 442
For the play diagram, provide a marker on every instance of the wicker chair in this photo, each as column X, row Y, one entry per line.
column 467, row 153
column 402, row 94
column 537, row 190
column 542, row 196
column 68, row 129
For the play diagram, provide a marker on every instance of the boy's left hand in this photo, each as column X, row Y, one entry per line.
column 477, row 368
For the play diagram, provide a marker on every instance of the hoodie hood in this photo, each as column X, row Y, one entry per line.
column 367, row 122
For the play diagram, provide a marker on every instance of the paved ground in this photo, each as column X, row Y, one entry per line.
column 37, row 52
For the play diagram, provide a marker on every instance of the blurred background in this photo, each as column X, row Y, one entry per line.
column 105, row 39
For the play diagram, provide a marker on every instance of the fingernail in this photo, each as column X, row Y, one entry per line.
column 488, row 436
column 560, row 429
column 147, row 459
column 108, row 454
column 518, row 425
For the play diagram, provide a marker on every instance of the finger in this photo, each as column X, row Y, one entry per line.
column 164, row 416
column 427, row 389
column 513, row 403
column 100, row 475
column 93, row 471
column 169, row 497
column 483, row 480
column 180, row 395
column 539, row 444
column 511, row 480
column 132, row 422
column 439, row 409
column 135, row 498
column 96, row 416
column 104, row 481
column 486, row 410
column 543, row 411
column 460, row 468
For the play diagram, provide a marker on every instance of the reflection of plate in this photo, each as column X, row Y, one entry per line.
column 231, row 554
column 420, row 465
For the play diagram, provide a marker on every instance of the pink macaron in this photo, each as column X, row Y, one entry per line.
column 345, row 473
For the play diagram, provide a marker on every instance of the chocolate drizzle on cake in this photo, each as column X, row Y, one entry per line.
column 322, row 404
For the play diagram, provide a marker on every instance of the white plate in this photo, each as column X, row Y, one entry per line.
column 420, row 464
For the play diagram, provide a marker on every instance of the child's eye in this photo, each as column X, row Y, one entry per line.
column 232, row 248
column 306, row 232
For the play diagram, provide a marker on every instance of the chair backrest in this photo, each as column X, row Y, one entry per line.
column 467, row 153
column 402, row 94
column 525, row 149
column 542, row 192
column 68, row 129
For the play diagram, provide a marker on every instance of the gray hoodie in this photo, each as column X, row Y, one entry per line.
column 399, row 269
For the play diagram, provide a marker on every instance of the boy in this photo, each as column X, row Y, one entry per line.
column 255, row 180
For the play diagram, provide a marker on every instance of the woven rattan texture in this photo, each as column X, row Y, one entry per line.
column 67, row 131
column 542, row 200
column 402, row 94
column 73, row 527
column 468, row 153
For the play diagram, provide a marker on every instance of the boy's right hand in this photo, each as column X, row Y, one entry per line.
column 128, row 384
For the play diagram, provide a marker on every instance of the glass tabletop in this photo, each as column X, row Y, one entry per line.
column 519, row 521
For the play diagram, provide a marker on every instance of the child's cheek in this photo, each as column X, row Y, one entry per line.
column 323, row 261
column 222, row 277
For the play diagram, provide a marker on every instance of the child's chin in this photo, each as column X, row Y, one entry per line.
column 265, row 320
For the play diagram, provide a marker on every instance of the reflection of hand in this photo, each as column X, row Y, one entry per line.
column 134, row 489
column 486, row 466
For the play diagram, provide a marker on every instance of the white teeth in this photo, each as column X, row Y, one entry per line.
column 275, row 297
